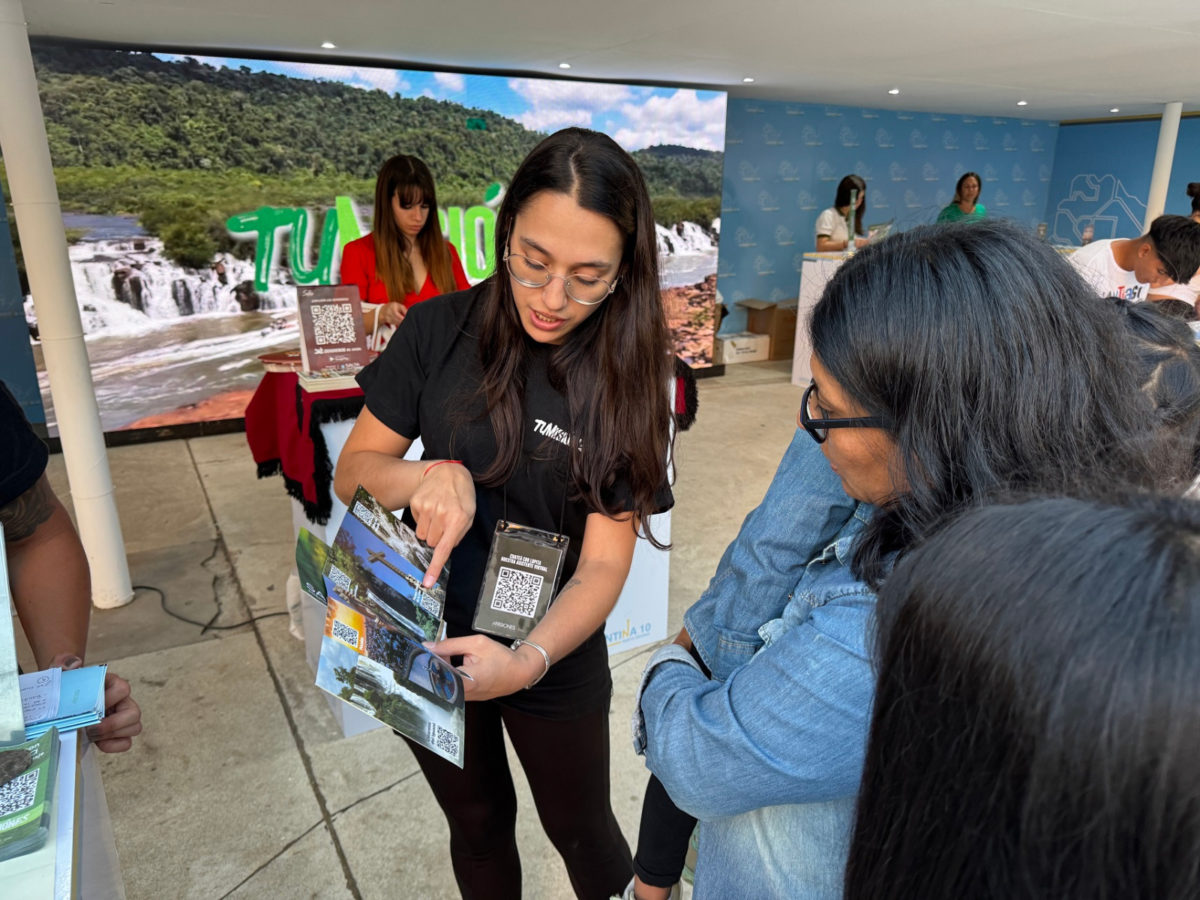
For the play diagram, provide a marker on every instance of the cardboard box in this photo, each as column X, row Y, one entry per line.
column 741, row 347
column 778, row 320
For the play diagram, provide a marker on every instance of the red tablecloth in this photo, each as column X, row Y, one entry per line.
column 283, row 428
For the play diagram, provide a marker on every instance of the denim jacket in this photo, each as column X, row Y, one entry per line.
column 768, row 752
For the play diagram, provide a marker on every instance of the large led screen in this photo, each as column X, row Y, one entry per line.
column 198, row 192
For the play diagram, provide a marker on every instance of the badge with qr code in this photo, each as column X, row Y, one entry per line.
column 519, row 580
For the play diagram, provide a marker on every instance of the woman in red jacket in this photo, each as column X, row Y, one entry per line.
column 404, row 259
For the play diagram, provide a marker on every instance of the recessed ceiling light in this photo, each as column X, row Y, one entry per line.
column 1022, row 103
column 894, row 91
column 748, row 80
column 328, row 45
column 564, row 65
column 1115, row 109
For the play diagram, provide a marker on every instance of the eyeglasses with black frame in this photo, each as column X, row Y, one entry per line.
column 818, row 429
column 583, row 289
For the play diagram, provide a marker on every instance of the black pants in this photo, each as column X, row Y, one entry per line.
column 566, row 763
column 662, row 837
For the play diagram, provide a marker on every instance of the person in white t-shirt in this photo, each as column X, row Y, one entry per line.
column 831, row 231
column 1132, row 268
column 1190, row 292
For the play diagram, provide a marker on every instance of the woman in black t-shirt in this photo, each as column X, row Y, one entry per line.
column 541, row 398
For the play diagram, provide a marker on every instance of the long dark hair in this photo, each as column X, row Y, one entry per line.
column 842, row 198
column 615, row 367
column 995, row 367
column 1193, row 191
column 1038, row 709
column 963, row 180
column 410, row 179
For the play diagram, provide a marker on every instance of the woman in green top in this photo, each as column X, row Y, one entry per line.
column 966, row 205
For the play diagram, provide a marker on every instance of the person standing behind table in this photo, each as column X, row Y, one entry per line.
column 48, row 572
column 404, row 259
column 541, row 398
column 831, row 232
column 1038, row 706
column 1135, row 267
column 965, row 205
column 1189, row 292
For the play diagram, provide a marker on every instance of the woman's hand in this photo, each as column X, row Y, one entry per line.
column 122, row 720
column 493, row 669
column 392, row 313
column 861, row 242
column 443, row 506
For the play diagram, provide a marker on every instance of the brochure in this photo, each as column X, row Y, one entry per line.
column 377, row 617
column 65, row 699
column 26, row 796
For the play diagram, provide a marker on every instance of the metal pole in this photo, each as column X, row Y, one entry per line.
column 44, row 240
column 1168, row 131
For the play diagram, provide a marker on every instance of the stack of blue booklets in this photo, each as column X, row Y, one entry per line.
column 65, row 699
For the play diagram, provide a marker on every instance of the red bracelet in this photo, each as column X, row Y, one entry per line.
column 438, row 463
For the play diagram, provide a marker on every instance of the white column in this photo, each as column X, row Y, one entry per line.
column 40, row 225
column 1168, row 131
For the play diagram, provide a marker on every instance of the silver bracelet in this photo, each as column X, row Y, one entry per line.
column 540, row 649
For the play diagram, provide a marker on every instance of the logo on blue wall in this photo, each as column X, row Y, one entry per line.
column 1000, row 122
column 878, row 199
column 942, row 197
column 763, row 266
column 1000, row 198
column 767, row 201
column 810, row 137
column 981, row 142
column 937, row 118
column 1043, row 173
column 1101, row 201
column 897, row 172
column 788, row 171
column 929, row 172
column 959, row 171
column 883, row 138
column 1009, row 143
column 833, row 113
column 733, row 136
column 847, row 136
column 869, row 114
column 805, row 200
column 798, row 261
column 793, row 110
column 905, row 117
column 1027, row 198
column 862, row 169
column 911, row 200
column 1036, row 144
column 826, row 172
column 745, row 237
column 784, row 236
column 949, row 140
column 752, row 109
column 1018, row 174
column 917, row 140
column 778, row 294
column 969, row 120
column 748, row 171
column 771, row 136
column 989, row 173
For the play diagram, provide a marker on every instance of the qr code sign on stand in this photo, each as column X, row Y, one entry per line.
column 517, row 592
column 333, row 323
column 20, row 793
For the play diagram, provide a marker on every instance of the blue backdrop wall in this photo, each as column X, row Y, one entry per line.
column 16, row 357
column 1102, row 176
column 783, row 162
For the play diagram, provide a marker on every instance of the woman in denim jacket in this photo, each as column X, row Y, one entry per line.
column 949, row 364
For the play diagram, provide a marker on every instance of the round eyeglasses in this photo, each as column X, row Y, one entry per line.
column 583, row 289
column 818, row 429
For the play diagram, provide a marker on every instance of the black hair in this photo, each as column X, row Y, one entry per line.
column 614, row 366
column 842, row 198
column 1176, row 241
column 961, row 180
column 994, row 368
column 1176, row 309
column 1037, row 715
column 1193, row 191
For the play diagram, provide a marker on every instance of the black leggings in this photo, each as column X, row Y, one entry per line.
column 662, row 838
column 566, row 763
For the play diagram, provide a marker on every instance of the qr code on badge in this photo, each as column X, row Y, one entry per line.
column 333, row 323
column 517, row 592
column 345, row 633
column 443, row 740
column 339, row 578
column 365, row 515
column 20, row 793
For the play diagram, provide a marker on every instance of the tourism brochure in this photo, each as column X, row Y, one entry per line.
column 332, row 335
column 27, row 772
column 377, row 618
column 65, row 699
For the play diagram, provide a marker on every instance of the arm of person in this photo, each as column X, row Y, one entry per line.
column 580, row 608
column 826, row 244
column 460, row 276
column 788, row 727
column 441, row 497
column 52, row 592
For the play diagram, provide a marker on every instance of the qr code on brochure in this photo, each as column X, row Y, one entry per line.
column 517, row 592
column 428, row 603
column 345, row 633
column 333, row 323
column 443, row 740
column 339, row 578
column 365, row 515
column 20, row 793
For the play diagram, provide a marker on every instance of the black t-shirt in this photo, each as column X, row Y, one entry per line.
column 23, row 456
column 426, row 384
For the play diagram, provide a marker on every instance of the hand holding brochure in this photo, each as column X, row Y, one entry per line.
column 65, row 699
column 377, row 617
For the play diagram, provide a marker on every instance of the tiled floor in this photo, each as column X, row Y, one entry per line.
column 242, row 784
